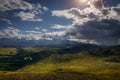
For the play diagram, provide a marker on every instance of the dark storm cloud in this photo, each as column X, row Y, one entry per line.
column 95, row 24
column 106, row 32
column 98, row 4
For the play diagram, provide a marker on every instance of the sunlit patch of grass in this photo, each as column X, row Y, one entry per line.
column 7, row 51
column 38, row 49
column 87, row 64
column 79, row 66
column 40, row 67
column 84, row 64
column 32, row 49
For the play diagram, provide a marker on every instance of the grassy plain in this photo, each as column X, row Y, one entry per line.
column 86, row 65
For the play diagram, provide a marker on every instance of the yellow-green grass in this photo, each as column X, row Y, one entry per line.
column 93, row 69
column 85, row 64
column 90, row 65
column 37, row 49
column 39, row 76
column 32, row 49
column 7, row 51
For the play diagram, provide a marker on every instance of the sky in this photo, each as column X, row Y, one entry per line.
column 86, row 21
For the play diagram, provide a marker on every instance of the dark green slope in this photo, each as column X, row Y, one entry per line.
column 51, row 64
column 14, row 62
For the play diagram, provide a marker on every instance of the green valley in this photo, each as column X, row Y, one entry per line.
column 50, row 64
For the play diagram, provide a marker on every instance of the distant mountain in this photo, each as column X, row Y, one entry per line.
column 105, row 52
column 43, row 43
column 115, row 47
column 24, row 43
column 79, row 47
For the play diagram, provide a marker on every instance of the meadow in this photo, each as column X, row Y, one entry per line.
column 7, row 51
column 99, row 64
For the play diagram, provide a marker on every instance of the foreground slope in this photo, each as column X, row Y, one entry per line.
column 102, row 63
column 98, row 64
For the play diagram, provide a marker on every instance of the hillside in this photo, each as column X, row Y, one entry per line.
column 103, row 63
column 51, row 64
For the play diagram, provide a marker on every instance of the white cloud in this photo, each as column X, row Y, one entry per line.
column 44, row 30
column 10, row 32
column 33, row 32
column 93, row 12
column 28, row 11
column 37, row 28
column 33, row 36
column 64, row 13
column 33, row 14
column 112, row 14
column 6, row 5
column 26, row 16
column 92, row 24
column 36, row 35
column 7, row 21
column 79, row 16
column 13, row 33
column 45, row 9
column 55, row 34
column 84, row 41
column 57, row 26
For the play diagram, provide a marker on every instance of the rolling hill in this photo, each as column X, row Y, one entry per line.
column 102, row 63
column 52, row 64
